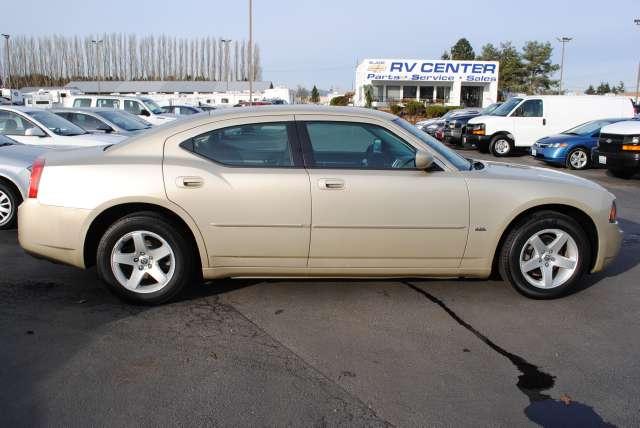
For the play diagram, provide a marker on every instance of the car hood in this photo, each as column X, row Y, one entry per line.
column 627, row 127
column 90, row 139
column 564, row 138
column 537, row 175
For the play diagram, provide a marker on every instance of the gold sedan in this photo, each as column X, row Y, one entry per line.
column 307, row 191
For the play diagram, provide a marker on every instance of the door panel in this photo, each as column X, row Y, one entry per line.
column 248, row 216
column 529, row 123
column 374, row 209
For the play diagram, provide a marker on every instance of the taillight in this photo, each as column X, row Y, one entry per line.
column 36, row 173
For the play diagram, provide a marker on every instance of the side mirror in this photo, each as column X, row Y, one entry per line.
column 424, row 160
column 34, row 131
column 144, row 113
column 103, row 127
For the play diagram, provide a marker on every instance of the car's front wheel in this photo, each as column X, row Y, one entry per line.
column 545, row 256
column 143, row 258
column 9, row 202
column 501, row 146
column 578, row 159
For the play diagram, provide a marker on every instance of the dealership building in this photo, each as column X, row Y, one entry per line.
column 453, row 83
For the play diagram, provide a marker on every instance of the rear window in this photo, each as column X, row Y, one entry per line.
column 82, row 102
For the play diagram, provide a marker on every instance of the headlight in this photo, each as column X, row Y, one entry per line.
column 635, row 140
column 558, row 145
column 476, row 129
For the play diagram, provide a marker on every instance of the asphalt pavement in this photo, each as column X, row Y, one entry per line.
column 323, row 353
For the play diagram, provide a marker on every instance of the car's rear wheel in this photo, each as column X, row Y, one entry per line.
column 545, row 256
column 622, row 173
column 578, row 159
column 143, row 258
column 501, row 146
column 9, row 202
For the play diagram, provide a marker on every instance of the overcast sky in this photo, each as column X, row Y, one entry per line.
column 307, row 42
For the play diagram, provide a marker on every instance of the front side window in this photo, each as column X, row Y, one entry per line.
column 152, row 106
column 82, row 102
column 124, row 120
column 529, row 108
column 133, row 107
column 251, row 145
column 56, row 124
column 108, row 103
column 86, row 121
column 356, row 146
column 13, row 124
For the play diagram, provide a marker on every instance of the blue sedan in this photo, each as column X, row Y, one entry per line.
column 571, row 148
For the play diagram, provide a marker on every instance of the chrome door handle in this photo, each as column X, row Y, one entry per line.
column 331, row 183
column 189, row 182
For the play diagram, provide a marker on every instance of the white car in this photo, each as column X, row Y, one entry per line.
column 521, row 121
column 29, row 125
column 142, row 107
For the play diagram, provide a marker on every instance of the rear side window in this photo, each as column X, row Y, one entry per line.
column 529, row 108
column 85, row 121
column 82, row 102
column 252, row 145
column 107, row 103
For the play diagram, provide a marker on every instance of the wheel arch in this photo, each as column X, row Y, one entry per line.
column 12, row 185
column 585, row 221
column 109, row 215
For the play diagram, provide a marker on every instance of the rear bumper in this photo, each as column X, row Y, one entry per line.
column 617, row 160
column 53, row 233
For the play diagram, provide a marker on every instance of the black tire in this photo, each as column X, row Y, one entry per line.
column 516, row 240
column 576, row 151
column 497, row 144
column 156, row 224
column 10, row 200
column 623, row 173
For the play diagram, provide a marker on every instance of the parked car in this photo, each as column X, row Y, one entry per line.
column 619, row 148
column 105, row 120
column 228, row 195
column 207, row 108
column 571, row 148
column 31, row 125
column 521, row 121
column 182, row 110
column 455, row 127
column 15, row 163
column 139, row 106
column 430, row 126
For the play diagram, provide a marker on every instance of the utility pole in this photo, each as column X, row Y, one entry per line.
column 226, row 59
column 250, row 52
column 97, row 43
column 564, row 40
column 637, row 22
column 8, row 63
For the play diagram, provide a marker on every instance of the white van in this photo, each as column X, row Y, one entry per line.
column 521, row 121
column 143, row 107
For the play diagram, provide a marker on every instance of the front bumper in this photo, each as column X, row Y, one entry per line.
column 609, row 243
column 617, row 160
column 480, row 141
column 453, row 135
column 549, row 154
column 51, row 232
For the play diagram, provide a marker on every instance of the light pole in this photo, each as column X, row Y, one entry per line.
column 637, row 22
column 564, row 40
column 97, row 43
column 226, row 59
column 250, row 52
column 8, row 63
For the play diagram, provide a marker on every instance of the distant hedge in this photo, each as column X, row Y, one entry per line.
column 339, row 101
column 436, row 110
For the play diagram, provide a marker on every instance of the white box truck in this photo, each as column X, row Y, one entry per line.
column 521, row 121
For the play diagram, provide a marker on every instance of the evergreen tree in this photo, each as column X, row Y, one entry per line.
column 462, row 50
column 603, row 88
column 590, row 90
column 445, row 55
column 538, row 67
column 315, row 95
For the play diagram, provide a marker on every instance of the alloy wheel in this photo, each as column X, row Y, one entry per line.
column 6, row 208
column 143, row 261
column 549, row 258
column 578, row 159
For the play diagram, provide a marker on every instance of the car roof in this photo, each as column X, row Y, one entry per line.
column 84, row 109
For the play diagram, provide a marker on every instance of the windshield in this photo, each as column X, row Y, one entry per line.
column 506, row 108
column 151, row 105
column 454, row 158
column 487, row 110
column 588, row 128
column 6, row 141
column 123, row 120
column 56, row 124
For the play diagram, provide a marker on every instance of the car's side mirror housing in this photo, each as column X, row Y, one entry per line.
column 34, row 131
column 104, row 128
column 145, row 113
column 424, row 160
